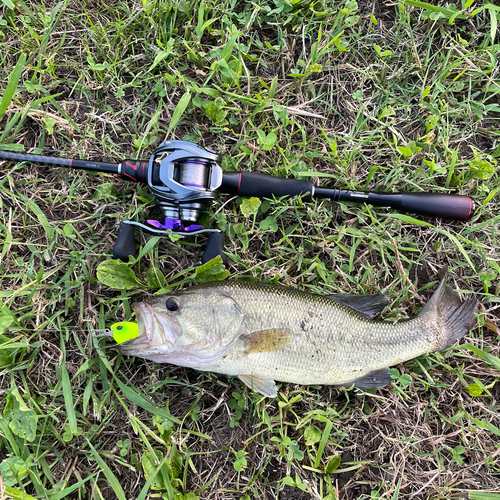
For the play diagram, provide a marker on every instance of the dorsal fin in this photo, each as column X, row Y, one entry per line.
column 367, row 305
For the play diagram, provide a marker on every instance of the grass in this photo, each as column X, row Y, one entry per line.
column 400, row 96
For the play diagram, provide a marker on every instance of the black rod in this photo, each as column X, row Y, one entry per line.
column 95, row 166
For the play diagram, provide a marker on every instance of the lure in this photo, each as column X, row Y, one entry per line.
column 123, row 331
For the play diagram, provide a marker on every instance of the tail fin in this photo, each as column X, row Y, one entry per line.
column 455, row 316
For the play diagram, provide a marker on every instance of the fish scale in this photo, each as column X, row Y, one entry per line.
column 264, row 332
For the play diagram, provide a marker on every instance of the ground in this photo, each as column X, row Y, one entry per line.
column 375, row 96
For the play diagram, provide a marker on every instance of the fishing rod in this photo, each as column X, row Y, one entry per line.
column 184, row 177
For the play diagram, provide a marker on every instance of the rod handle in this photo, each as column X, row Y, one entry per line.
column 445, row 206
column 265, row 186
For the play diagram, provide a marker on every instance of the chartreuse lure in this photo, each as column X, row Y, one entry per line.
column 123, row 331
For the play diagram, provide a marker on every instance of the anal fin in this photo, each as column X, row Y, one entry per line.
column 376, row 378
column 262, row 385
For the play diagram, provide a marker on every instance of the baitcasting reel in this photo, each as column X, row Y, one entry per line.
column 183, row 177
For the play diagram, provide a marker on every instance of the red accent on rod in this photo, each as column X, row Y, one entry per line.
column 470, row 208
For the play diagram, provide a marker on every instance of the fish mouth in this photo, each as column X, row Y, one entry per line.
column 155, row 331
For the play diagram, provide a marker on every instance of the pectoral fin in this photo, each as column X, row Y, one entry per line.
column 262, row 385
column 272, row 339
column 367, row 305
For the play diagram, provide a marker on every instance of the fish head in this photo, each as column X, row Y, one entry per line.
column 186, row 328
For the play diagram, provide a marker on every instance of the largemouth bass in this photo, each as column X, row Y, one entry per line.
column 263, row 332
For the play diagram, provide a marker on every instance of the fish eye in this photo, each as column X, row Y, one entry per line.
column 173, row 304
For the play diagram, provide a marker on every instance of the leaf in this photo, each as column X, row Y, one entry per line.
column 213, row 270
column 358, row 95
column 311, row 435
column 12, row 467
column 489, row 358
column 410, row 220
column 150, row 464
column 66, row 491
column 5, row 322
column 150, row 245
column 448, row 13
column 332, row 464
column 241, row 462
column 459, row 246
column 22, row 423
column 49, row 123
column 322, row 444
column 475, row 390
column 42, row 218
column 179, row 111
column 267, row 141
column 405, row 151
column 105, row 191
column 494, row 24
column 479, row 495
column 9, row 349
column 154, row 278
column 486, row 425
column 116, row 274
column 250, row 206
column 137, row 399
column 14, row 493
column 13, row 81
column 113, row 482
column 159, row 58
column 385, row 53
column 229, row 46
column 68, row 395
column 280, row 113
column 8, row 4
column 215, row 112
column 269, row 224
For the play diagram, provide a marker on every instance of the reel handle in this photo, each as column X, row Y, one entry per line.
column 215, row 246
column 125, row 244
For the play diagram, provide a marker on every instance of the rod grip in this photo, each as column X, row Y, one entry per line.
column 265, row 186
column 446, row 206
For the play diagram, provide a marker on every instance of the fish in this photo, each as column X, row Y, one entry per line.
column 263, row 333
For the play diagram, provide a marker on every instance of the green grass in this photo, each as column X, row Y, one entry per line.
column 397, row 97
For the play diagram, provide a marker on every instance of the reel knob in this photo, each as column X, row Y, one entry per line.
column 125, row 244
column 215, row 246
